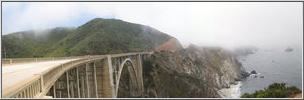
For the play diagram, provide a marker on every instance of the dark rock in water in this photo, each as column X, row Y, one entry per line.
column 244, row 74
column 288, row 49
column 253, row 72
column 261, row 76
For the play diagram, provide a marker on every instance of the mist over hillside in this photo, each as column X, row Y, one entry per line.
column 96, row 37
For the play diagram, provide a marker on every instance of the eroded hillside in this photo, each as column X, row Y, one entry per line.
column 191, row 72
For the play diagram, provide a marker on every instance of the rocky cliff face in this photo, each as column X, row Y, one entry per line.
column 170, row 45
column 190, row 72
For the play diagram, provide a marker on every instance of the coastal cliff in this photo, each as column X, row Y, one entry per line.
column 191, row 72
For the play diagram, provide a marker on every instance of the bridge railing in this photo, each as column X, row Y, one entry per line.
column 7, row 61
column 36, row 85
column 128, row 54
column 28, row 89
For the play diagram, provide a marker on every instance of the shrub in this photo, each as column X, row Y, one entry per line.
column 275, row 90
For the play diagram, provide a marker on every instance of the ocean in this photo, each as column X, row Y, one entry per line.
column 274, row 65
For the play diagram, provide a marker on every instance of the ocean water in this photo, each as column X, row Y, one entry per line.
column 275, row 65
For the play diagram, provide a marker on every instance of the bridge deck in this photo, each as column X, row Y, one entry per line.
column 16, row 75
column 33, row 77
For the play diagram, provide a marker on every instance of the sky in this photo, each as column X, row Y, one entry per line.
column 225, row 24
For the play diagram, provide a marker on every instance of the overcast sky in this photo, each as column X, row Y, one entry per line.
column 226, row 24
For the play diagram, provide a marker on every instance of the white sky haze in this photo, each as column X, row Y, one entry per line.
column 226, row 24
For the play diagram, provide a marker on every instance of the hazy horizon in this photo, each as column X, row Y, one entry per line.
column 224, row 24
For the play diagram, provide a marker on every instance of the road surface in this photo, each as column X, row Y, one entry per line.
column 17, row 75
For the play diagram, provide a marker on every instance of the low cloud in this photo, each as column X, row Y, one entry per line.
column 226, row 24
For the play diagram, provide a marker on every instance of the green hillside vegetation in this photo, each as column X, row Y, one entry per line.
column 96, row 37
column 275, row 90
column 31, row 43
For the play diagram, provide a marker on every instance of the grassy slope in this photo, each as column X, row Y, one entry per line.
column 30, row 43
column 98, row 36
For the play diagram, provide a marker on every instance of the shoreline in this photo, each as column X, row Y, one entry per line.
column 233, row 92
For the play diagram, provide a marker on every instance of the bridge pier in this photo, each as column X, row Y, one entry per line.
column 77, row 79
column 68, row 83
column 82, row 74
column 140, row 75
column 111, row 80
column 103, row 82
column 87, row 81
column 54, row 91
column 95, row 81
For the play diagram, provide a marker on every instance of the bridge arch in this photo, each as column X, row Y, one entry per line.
column 127, row 66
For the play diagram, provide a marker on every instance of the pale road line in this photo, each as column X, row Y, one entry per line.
column 18, row 74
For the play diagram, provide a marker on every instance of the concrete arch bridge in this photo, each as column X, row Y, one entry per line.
column 98, row 76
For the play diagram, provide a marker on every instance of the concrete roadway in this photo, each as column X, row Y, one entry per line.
column 16, row 75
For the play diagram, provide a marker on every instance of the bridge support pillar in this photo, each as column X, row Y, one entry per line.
column 41, row 83
column 77, row 79
column 95, row 81
column 109, row 65
column 87, row 80
column 139, row 74
column 54, row 90
column 68, row 83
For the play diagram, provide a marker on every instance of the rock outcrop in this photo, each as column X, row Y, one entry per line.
column 171, row 45
column 190, row 72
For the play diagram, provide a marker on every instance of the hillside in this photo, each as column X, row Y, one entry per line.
column 32, row 43
column 96, row 37
column 192, row 72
